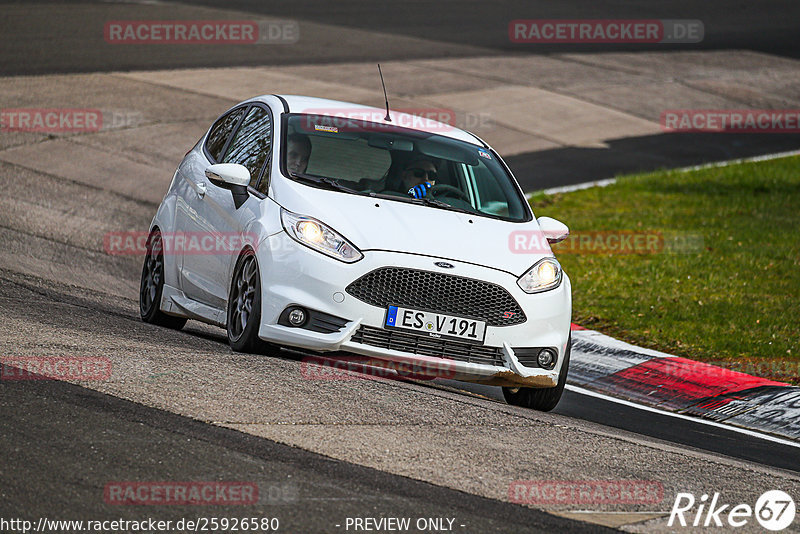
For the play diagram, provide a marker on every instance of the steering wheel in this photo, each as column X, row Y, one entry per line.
column 448, row 191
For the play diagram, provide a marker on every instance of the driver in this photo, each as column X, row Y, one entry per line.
column 418, row 176
column 298, row 150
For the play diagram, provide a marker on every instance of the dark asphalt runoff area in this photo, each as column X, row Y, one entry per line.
column 51, row 43
column 62, row 444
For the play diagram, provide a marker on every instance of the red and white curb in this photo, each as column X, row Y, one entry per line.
column 603, row 364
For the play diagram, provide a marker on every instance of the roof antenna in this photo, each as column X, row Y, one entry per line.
column 387, row 118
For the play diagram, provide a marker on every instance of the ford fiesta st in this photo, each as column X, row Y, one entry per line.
column 329, row 226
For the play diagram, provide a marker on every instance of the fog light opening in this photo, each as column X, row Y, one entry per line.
column 547, row 358
column 297, row 316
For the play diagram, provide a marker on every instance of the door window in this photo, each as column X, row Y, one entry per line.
column 251, row 144
column 220, row 132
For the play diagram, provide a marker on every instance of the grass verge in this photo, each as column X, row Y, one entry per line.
column 720, row 282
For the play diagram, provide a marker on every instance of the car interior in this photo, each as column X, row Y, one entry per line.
column 373, row 162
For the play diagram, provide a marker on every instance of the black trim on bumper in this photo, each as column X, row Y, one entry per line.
column 428, row 346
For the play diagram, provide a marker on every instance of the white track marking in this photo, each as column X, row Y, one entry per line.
column 767, row 437
column 575, row 187
column 765, row 157
column 609, row 181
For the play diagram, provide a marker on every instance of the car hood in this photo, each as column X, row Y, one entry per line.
column 379, row 224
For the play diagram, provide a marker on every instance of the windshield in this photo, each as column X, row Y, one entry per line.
column 392, row 162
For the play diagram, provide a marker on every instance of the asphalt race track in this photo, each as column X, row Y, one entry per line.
column 70, row 430
column 181, row 406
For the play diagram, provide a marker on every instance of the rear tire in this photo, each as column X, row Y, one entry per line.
column 244, row 306
column 151, row 286
column 542, row 399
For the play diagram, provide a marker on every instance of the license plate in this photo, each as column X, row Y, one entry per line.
column 436, row 325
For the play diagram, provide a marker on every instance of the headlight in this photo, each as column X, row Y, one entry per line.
column 319, row 236
column 544, row 275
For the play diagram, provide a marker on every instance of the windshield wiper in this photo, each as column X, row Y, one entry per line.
column 425, row 201
column 330, row 182
column 444, row 205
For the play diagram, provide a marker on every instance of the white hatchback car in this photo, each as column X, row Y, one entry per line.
column 323, row 226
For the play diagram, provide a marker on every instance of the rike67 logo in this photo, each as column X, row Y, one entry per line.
column 774, row 510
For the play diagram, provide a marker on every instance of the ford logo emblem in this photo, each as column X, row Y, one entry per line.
column 444, row 265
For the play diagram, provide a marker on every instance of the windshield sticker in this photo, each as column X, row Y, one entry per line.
column 484, row 153
column 322, row 128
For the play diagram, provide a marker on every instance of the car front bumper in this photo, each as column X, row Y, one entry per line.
column 293, row 274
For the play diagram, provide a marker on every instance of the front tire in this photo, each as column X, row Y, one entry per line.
column 151, row 286
column 542, row 399
column 244, row 306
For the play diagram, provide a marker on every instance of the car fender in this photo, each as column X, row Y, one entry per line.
column 164, row 220
column 258, row 230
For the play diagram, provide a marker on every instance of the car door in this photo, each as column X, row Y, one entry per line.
column 215, row 221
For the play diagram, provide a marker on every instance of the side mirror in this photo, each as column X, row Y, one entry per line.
column 227, row 174
column 555, row 231
column 231, row 176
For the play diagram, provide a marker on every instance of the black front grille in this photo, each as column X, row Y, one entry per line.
column 443, row 293
column 428, row 346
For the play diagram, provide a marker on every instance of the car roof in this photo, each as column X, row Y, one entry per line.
column 324, row 106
